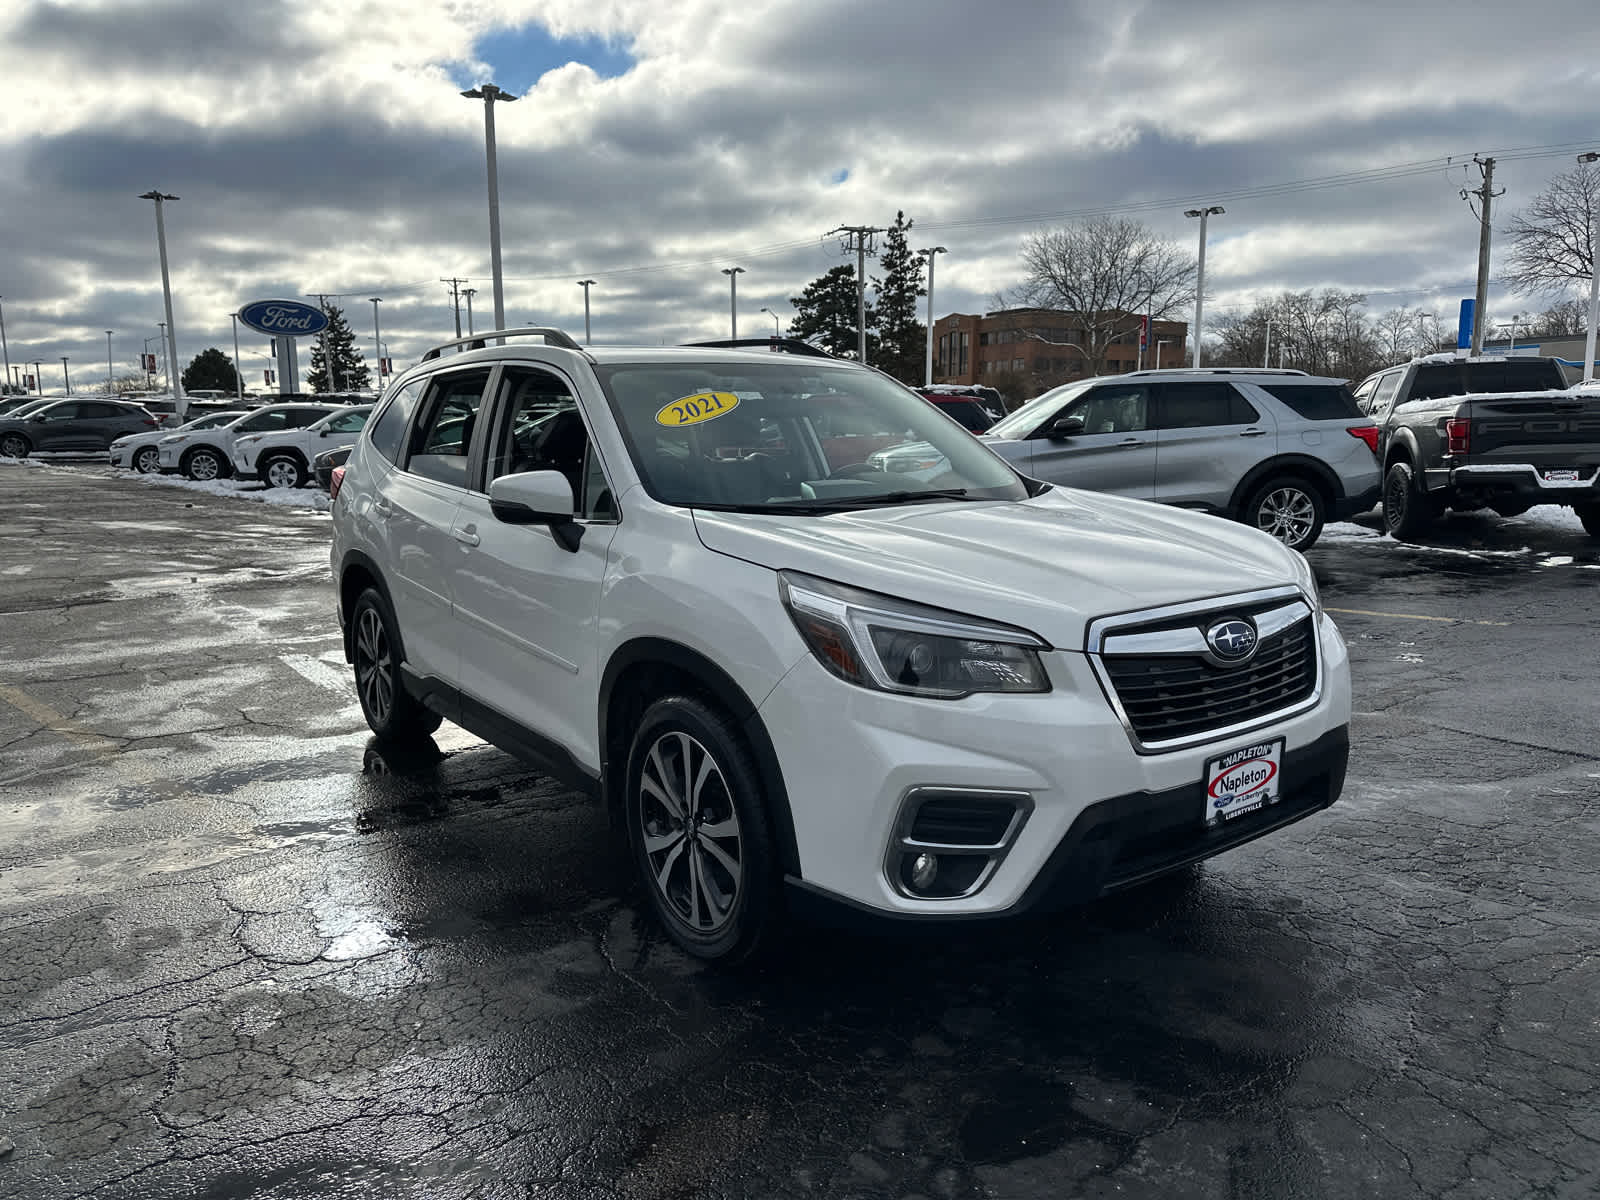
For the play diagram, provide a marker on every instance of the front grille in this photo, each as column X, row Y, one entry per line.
column 1167, row 697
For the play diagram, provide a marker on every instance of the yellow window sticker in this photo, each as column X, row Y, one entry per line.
column 691, row 410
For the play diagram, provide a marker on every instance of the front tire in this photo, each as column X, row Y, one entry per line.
column 1288, row 508
column 1589, row 514
column 1406, row 511
column 283, row 472
column 14, row 445
column 392, row 712
column 697, row 830
column 147, row 460
column 204, row 465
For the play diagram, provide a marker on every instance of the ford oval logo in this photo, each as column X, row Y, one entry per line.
column 283, row 318
column 1232, row 641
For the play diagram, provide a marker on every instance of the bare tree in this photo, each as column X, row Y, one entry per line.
column 1564, row 318
column 1325, row 333
column 1552, row 240
column 1107, row 272
column 1399, row 332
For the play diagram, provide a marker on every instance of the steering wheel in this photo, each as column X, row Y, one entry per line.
column 860, row 470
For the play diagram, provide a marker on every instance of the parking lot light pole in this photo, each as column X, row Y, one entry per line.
column 1594, row 280
column 733, row 274
column 110, row 388
column 238, row 369
column 586, row 284
column 1266, row 350
column 169, row 329
column 488, row 93
column 1200, row 271
column 927, row 350
column 67, row 379
column 38, row 375
column 4, row 348
column 469, row 293
column 377, row 339
column 777, row 326
column 1160, row 342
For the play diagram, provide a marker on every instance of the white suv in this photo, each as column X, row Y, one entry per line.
column 207, row 454
column 282, row 458
column 674, row 578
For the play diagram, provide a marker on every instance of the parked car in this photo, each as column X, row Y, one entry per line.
column 1280, row 450
column 974, row 407
column 12, row 404
column 142, row 451
column 1465, row 433
column 323, row 465
column 70, row 425
column 654, row 572
column 282, row 458
column 208, row 453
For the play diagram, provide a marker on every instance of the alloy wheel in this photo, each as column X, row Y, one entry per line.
column 12, row 446
column 374, row 665
column 691, row 833
column 147, row 460
column 204, row 466
column 1396, row 496
column 282, row 473
column 1288, row 514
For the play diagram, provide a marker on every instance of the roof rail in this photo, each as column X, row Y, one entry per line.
column 477, row 341
column 778, row 345
column 1219, row 371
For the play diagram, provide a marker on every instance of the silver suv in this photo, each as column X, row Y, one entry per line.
column 1281, row 450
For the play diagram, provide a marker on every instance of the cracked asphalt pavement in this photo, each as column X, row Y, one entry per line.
column 242, row 954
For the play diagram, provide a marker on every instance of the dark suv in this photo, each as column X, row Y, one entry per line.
column 974, row 408
column 72, row 425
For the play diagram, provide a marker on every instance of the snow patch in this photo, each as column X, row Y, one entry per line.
column 235, row 489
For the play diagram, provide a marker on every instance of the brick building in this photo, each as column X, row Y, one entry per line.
column 1031, row 349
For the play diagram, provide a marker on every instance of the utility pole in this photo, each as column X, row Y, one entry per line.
column 1485, row 195
column 927, row 351
column 859, row 238
column 455, row 297
column 1594, row 281
column 377, row 341
column 733, row 274
column 586, row 284
column 169, row 330
column 488, row 93
column 1200, row 272
column 469, row 293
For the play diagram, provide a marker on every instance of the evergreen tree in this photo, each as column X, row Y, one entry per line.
column 210, row 369
column 826, row 311
column 901, row 337
column 350, row 373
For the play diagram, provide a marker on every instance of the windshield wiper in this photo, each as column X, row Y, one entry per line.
column 840, row 503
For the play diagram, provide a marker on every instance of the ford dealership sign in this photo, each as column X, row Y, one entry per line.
column 283, row 318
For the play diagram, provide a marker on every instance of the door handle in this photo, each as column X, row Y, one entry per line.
column 1253, row 433
column 1130, row 442
column 467, row 534
column 382, row 508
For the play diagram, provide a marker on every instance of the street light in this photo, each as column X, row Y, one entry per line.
column 65, row 377
column 238, row 370
column 166, row 371
column 586, row 284
column 1266, row 350
column 777, row 326
column 1200, row 273
column 377, row 339
column 1594, row 281
column 733, row 274
column 488, row 93
column 4, row 348
column 110, row 388
column 927, row 353
column 170, row 328
column 469, row 293
column 38, row 375
column 1160, row 342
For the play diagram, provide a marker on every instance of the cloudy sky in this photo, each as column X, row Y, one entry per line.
column 323, row 147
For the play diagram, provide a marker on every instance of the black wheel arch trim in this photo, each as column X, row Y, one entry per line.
column 721, row 687
column 357, row 558
column 1288, row 464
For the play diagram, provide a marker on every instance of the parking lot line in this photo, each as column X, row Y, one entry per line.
column 56, row 722
column 1367, row 612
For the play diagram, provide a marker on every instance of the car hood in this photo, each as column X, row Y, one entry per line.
column 1050, row 564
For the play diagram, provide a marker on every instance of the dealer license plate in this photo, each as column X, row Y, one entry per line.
column 1244, row 781
column 1561, row 475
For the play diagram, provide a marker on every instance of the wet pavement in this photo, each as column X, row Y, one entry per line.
column 243, row 954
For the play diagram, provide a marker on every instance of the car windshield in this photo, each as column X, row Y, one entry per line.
column 797, row 436
column 1027, row 418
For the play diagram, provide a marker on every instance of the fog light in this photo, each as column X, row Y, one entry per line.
column 924, row 870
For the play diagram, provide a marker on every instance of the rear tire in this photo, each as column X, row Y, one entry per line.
column 1288, row 508
column 14, row 445
column 392, row 712
column 1589, row 514
column 697, row 830
column 1406, row 511
column 283, row 471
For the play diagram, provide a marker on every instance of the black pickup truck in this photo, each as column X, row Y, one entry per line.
column 1470, row 433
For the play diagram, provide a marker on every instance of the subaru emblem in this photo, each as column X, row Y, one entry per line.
column 1232, row 641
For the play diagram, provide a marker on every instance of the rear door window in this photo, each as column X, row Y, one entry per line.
column 1203, row 405
column 444, row 435
column 389, row 431
column 1316, row 401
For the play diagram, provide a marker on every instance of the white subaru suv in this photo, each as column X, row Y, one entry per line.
column 674, row 578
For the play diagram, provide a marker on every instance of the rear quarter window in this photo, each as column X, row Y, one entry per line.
column 1316, row 401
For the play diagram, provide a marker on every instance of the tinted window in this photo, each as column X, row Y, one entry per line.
column 1387, row 386
column 102, row 411
column 1201, row 405
column 442, row 439
column 1316, row 401
column 540, row 429
column 1112, row 410
column 299, row 418
column 350, row 422
column 59, row 412
column 261, row 422
column 391, row 425
column 969, row 413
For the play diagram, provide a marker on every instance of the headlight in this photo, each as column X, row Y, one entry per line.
column 174, row 439
column 1307, row 579
column 896, row 646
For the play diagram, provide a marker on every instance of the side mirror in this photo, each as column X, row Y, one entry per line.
column 537, row 498
column 324, row 431
column 1065, row 427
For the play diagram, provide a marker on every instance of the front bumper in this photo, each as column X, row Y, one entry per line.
column 1099, row 814
column 119, row 456
column 1525, row 482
